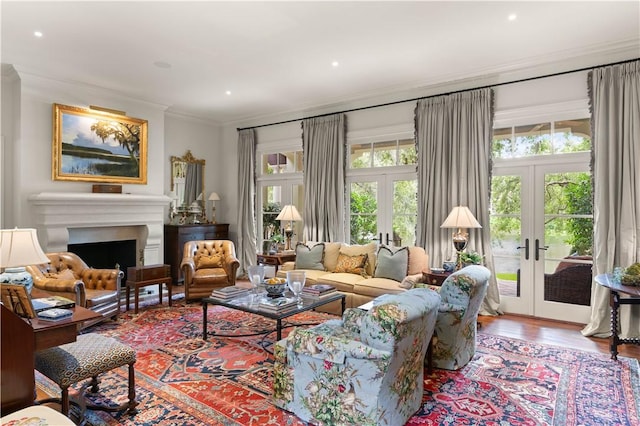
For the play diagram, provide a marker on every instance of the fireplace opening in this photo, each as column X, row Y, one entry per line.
column 107, row 254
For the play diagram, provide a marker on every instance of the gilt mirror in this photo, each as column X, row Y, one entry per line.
column 187, row 187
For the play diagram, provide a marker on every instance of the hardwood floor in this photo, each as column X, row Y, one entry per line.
column 550, row 332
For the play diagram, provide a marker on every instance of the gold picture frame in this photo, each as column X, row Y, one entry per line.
column 98, row 145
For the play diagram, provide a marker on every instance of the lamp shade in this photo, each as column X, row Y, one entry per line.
column 214, row 196
column 460, row 217
column 20, row 247
column 290, row 213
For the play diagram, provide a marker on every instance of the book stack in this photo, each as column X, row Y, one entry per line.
column 318, row 290
column 44, row 303
column 228, row 293
column 54, row 314
column 277, row 304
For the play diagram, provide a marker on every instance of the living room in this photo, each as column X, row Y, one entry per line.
column 28, row 95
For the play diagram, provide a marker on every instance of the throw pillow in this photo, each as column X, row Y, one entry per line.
column 212, row 261
column 356, row 250
column 310, row 257
column 67, row 274
column 351, row 264
column 392, row 264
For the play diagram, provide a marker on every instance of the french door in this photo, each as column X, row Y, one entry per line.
column 540, row 215
column 383, row 208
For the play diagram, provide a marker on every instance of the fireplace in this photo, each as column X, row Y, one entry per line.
column 108, row 254
column 65, row 219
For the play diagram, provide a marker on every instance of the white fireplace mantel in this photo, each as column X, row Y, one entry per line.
column 63, row 218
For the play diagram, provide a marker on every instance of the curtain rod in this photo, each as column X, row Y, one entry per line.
column 522, row 80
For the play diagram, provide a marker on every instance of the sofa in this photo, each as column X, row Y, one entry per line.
column 361, row 272
column 364, row 369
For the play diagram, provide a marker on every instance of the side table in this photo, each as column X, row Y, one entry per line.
column 433, row 278
column 607, row 280
column 275, row 259
column 142, row 276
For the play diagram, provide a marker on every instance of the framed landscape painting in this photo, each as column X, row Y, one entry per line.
column 95, row 145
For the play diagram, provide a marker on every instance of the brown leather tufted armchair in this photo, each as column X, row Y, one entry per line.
column 206, row 265
column 67, row 275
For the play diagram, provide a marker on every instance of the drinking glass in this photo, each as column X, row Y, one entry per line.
column 256, row 276
column 295, row 281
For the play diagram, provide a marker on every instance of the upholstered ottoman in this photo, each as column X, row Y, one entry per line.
column 92, row 354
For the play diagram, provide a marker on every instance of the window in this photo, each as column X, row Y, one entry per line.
column 558, row 137
column 382, row 199
column 281, row 162
column 399, row 152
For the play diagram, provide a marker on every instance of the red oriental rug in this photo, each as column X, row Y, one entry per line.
column 183, row 380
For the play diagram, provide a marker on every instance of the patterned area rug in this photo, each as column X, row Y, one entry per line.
column 183, row 380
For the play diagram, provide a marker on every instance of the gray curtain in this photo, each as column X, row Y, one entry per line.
column 453, row 140
column 246, row 250
column 614, row 96
column 323, row 145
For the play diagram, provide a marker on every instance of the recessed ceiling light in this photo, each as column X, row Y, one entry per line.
column 228, row 92
column 162, row 64
column 512, row 17
column 37, row 33
column 335, row 64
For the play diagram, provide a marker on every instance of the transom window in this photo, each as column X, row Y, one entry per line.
column 281, row 162
column 399, row 152
column 558, row 137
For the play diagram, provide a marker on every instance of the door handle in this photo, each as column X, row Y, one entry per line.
column 538, row 248
column 526, row 248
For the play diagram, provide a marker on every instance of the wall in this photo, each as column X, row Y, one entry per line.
column 536, row 98
column 27, row 129
column 27, row 133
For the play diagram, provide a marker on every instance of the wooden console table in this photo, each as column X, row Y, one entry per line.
column 606, row 280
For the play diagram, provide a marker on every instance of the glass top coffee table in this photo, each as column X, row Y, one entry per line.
column 247, row 304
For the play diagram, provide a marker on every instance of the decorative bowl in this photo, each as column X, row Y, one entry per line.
column 275, row 290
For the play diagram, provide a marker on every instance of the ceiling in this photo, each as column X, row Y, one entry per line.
column 276, row 57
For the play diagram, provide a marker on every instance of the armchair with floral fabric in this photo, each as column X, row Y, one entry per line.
column 454, row 340
column 365, row 369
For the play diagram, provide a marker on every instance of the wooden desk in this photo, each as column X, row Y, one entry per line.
column 20, row 339
column 275, row 259
column 606, row 280
column 49, row 333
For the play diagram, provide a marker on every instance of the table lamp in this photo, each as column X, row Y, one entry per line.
column 19, row 248
column 213, row 198
column 289, row 213
column 462, row 219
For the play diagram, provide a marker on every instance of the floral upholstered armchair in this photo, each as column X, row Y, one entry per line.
column 366, row 369
column 454, row 341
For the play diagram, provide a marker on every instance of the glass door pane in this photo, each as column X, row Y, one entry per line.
column 405, row 207
column 363, row 212
column 506, row 232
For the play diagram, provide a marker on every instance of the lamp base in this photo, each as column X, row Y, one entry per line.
column 18, row 276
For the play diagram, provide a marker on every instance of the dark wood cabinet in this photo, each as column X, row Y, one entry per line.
column 176, row 235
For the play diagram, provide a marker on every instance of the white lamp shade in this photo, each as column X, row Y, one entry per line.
column 214, row 196
column 460, row 217
column 20, row 247
column 290, row 213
